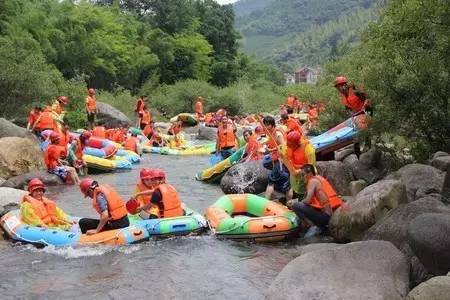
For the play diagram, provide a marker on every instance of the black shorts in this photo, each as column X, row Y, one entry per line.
column 91, row 117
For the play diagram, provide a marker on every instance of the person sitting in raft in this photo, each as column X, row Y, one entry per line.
column 157, row 140
column 32, row 118
column 149, row 179
column 320, row 201
column 253, row 147
column 299, row 152
column 149, row 129
column 76, row 152
column 132, row 143
column 227, row 142
column 37, row 210
column 53, row 158
column 108, row 204
column 164, row 196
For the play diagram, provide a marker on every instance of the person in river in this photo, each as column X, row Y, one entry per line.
column 149, row 179
column 37, row 210
column 320, row 201
column 53, row 157
column 227, row 142
column 91, row 107
column 164, row 196
column 108, row 204
column 253, row 147
column 132, row 143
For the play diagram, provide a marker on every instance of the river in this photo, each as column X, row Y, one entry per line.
column 199, row 267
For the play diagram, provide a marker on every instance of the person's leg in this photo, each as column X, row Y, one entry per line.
column 289, row 194
column 73, row 174
column 305, row 211
column 269, row 191
column 88, row 224
column 121, row 223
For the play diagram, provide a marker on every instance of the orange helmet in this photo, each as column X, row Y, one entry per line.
column 293, row 137
column 54, row 137
column 85, row 185
column 63, row 99
column 160, row 174
column 91, row 91
column 35, row 184
column 86, row 134
column 146, row 173
column 340, row 80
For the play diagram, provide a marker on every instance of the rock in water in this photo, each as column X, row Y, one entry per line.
column 420, row 180
column 207, row 133
column 337, row 174
column 21, row 181
column 10, row 199
column 250, row 177
column 437, row 288
column 429, row 239
column 361, row 270
column 9, row 129
column 110, row 117
column 394, row 228
column 351, row 221
column 19, row 156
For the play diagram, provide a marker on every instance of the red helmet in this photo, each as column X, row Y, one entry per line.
column 259, row 130
column 146, row 173
column 91, row 91
column 340, row 80
column 86, row 134
column 63, row 99
column 54, row 137
column 293, row 137
column 160, row 174
column 35, row 184
column 85, row 185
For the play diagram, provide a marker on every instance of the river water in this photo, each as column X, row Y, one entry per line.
column 200, row 267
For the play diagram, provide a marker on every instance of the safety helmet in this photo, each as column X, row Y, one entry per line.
column 160, row 174
column 293, row 137
column 259, row 130
column 54, row 137
column 35, row 184
column 146, row 173
column 340, row 80
column 63, row 99
column 86, row 134
column 85, row 185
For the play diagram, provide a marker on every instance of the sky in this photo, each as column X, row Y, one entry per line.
column 226, row 1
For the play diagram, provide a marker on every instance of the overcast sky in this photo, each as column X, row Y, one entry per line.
column 226, row 1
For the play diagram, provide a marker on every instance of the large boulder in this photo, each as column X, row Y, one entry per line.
column 351, row 221
column 441, row 162
column 111, row 117
column 369, row 167
column 357, row 186
column 19, row 182
column 429, row 239
column 446, row 187
column 437, row 288
column 250, row 177
column 337, row 174
column 9, row 129
column 420, row 180
column 19, row 156
column 207, row 133
column 394, row 228
column 162, row 125
column 9, row 199
column 361, row 270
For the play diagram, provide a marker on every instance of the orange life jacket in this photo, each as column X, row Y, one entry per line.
column 171, row 202
column 199, row 107
column 46, row 121
column 99, row 131
column 353, row 101
column 91, row 103
column 252, row 148
column 175, row 128
column 146, row 117
column 131, row 143
column 143, row 199
column 148, row 130
column 118, row 136
column 64, row 138
column 226, row 136
column 33, row 116
column 329, row 191
column 109, row 133
column 298, row 156
column 292, row 124
column 290, row 102
column 272, row 145
column 79, row 150
column 61, row 151
column 116, row 206
column 45, row 209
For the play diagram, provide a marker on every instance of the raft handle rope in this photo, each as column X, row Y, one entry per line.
column 247, row 221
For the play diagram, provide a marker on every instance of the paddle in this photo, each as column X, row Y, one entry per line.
column 132, row 206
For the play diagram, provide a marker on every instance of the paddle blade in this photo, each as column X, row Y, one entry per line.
column 132, row 206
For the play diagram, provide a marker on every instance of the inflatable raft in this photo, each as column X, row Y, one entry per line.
column 186, row 118
column 215, row 173
column 138, row 231
column 251, row 217
column 99, row 147
column 130, row 156
column 106, row 165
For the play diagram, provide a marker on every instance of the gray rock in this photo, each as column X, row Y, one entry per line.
column 446, row 187
column 207, row 133
column 439, row 154
column 2, row 180
column 351, row 221
column 362, row 270
column 9, row 129
column 429, row 239
column 441, row 163
column 337, row 174
column 162, row 125
column 357, row 186
column 368, row 167
column 394, row 228
column 437, row 288
column 420, row 180
column 341, row 154
column 20, row 182
column 250, row 177
column 10, row 199
column 19, row 156
column 111, row 117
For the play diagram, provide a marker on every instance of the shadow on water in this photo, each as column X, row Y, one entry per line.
column 178, row 268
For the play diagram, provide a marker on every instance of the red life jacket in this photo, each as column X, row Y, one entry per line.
column 116, row 206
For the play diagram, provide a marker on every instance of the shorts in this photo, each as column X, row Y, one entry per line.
column 60, row 171
column 279, row 178
column 91, row 117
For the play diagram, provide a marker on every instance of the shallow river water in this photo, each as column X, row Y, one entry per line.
column 200, row 267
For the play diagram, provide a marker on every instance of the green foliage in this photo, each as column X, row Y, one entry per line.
column 246, row 7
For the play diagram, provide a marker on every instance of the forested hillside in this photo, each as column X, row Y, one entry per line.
column 245, row 7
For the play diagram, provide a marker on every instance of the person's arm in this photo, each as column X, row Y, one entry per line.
column 36, row 122
column 104, row 216
column 155, row 200
column 310, row 188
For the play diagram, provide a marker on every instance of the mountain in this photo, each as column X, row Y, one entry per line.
column 246, row 7
column 293, row 33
